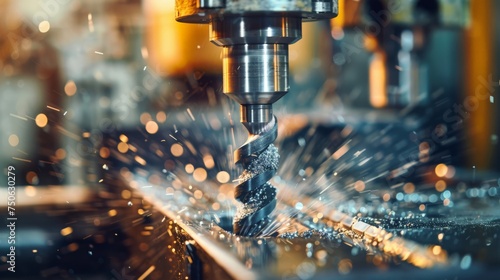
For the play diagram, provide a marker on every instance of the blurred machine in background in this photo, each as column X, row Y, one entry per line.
column 392, row 113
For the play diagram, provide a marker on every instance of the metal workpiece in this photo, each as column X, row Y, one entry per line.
column 255, row 36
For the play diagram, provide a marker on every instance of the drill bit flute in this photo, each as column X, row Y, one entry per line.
column 255, row 35
column 259, row 158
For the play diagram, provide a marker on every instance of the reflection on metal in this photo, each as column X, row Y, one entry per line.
column 223, row 258
column 202, row 11
column 246, row 258
column 370, row 237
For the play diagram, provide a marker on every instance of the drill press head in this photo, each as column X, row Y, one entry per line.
column 255, row 35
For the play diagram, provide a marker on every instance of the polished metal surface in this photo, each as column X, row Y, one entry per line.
column 255, row 117
column 255, row 74
column 210, row 4
column 255, row 29
column 255, row 56
column 199, row 11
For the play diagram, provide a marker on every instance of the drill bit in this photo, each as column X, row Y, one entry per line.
column 259, row 158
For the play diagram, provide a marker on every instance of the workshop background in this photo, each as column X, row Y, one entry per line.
column 113, row 120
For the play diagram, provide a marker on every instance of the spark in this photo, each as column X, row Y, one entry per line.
column 341, row 151
column 23, row 152
column 182, row 210
column 21, row 159
column 326, row 188
column 358, row 153
column 90, row 22
column 53, row 108
column 233, row 138
column 100, row 53
column 19, row 117
column 190, row 114
column 238, row 180
column 146, row 273
column 68, row 133
column 364, row 161
column 140, row 160
column 376, row 177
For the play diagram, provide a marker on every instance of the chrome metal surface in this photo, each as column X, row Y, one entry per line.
column 256, row 117
column 255, row 74
column 322, row 6
column 255, row 29
column 211, row 4
column 199, row 11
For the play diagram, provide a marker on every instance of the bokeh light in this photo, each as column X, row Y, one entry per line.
column 41, row 120
column 151, row 127
column 223, row 177
column 44, row 26
column 200, row 174
column 70, row 88
column 13, row 140
column 441, row 170
column 122, row 147
column 177, row 150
